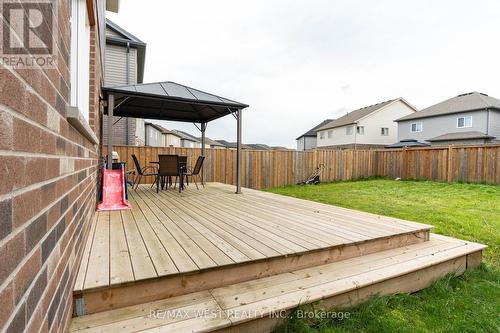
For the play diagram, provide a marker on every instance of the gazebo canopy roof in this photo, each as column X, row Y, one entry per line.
column 169, row 101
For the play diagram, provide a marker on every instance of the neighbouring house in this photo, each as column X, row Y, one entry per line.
column 212, row 143
column 188, row 140
column 171, row 138
column 50, row 126
column 124, row 64
column 258, row 146
column 308, row 140
column 472, row 118
column 232, row 145
column 154, row 135
column 369, row 127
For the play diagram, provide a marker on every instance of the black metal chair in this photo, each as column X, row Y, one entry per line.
column 169, row 167
column 141, row 171
column 195, row 173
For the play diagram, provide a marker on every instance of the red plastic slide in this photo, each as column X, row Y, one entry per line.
column 113, row 191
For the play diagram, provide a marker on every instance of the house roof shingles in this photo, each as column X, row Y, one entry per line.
column 355, row 115
column 312, row 131
column 461, row 103
column 461, row 136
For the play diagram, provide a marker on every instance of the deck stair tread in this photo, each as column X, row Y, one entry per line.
column 235, row 304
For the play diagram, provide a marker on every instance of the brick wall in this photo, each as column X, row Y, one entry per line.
column 48, row 173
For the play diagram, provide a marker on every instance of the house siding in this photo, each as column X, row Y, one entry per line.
column 170, row 140
column 153, row 137
column 439, row 125
column 372, row 128
column 306, row 142
column 48, row 186
column 125, row 130
column 494, row 124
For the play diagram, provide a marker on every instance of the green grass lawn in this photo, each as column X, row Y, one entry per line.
column 470, row 303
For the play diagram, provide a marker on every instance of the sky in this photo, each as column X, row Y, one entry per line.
column 297, row 63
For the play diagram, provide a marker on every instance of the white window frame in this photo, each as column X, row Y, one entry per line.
column 321, row 135
column 349, row 130
column 465, row 122
column 384, row 131
column 417, row 129
column 330, row 134
column 360, row 130
column 80, row 57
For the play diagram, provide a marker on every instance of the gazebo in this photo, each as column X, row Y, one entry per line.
column 175, row 102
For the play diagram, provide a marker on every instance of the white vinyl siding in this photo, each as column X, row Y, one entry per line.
column 116, row 65
column 349, row 130
column 80, row 57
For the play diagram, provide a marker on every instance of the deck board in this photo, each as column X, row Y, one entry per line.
column 346, row 282
column 169, row 233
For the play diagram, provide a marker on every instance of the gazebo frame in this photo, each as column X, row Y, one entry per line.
column 174, row 102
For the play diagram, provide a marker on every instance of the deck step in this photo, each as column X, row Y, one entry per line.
column 250, row 305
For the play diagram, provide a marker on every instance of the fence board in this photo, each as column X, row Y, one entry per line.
column 261, row 169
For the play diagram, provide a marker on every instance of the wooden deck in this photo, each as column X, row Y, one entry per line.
column 249, row 306
column 213, row 237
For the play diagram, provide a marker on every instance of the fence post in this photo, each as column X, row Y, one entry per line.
column 449, row 169
column 403, row 164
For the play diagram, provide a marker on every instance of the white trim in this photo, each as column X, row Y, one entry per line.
column 416, row 130
column 80, row 57
column 465, row 121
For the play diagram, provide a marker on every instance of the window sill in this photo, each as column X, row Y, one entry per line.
column 76, row 119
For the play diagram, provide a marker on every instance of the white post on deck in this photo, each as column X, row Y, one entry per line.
column 203, row 129
column 111, row 106
column 238, row 151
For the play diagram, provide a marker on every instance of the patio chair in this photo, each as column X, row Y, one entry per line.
column 169, row 167
column 183, row 162
column 142, row 171
column 195, row 173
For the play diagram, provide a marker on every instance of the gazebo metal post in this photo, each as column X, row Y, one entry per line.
column 203, row 129
column 111, row 106
column 238, row 151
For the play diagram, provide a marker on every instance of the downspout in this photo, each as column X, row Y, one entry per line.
column 127, row 134
column 355, row 135
column 487, row 121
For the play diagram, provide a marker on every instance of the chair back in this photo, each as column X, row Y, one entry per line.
column 183, row 160
column 138, row 168
column 198, row 165
column 169, row 165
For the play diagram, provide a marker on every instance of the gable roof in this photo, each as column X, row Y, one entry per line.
column 231, row 144
column 353, row 116
column 312, row 131
column 156, row 127
column 122, row 37
column 186, row 136
column 461, row 136
column 462, row 103
column 211, row 142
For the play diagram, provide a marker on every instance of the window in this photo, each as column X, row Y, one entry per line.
column 80, row 57
column 349, row 130
column 360, row 130
column 330, row 134
column 384, row 131
column 321, row 135
column 464, row 122
column 416, row 127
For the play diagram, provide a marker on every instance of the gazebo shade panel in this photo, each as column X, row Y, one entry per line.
column 170, row 101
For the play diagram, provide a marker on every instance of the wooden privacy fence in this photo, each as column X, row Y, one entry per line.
column 261, row 169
